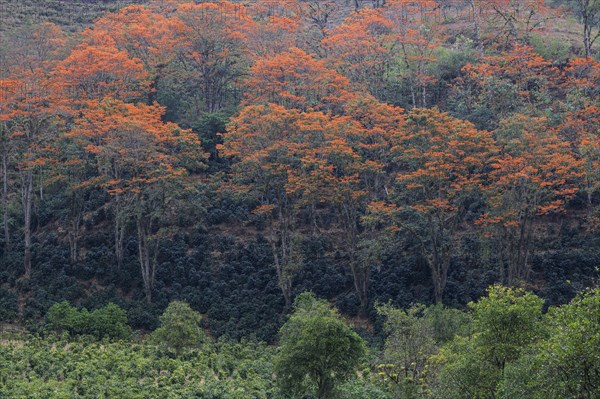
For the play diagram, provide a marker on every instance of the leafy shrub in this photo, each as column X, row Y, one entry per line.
column 110, row 322
column 179, row 328
column 107, row 322
column 62, row 317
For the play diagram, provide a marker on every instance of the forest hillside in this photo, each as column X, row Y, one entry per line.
column 304, row 198
column 233, row 155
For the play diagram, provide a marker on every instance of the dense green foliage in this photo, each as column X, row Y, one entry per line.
column 109, row 321
column 503, row 347
column 179, row 328
column 317, row 350
column 54, row 368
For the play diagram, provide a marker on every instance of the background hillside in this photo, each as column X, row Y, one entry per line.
column 106, row 200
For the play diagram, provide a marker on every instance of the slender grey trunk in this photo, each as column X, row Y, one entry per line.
column 7, row 243
column 120, row 227
column 477, row 28
column 27, row 200
column 147, row 262
column 74, row 233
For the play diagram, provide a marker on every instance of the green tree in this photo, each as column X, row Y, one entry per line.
column 317, row 350
column 409, row 344
column 567, row 363
column 179, row 328
column 109, row 321
column 505, row 322
column 413, row 336
column 62, row 317
column 571, row 354
column 506, row 325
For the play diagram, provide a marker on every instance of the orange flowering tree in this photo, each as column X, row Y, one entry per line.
column 146, row 35
column 31, row 114
column 518, row 80
column 440, row 162
column 534, row 175
column 143, row 164
column 295, row 79
column 361, row 49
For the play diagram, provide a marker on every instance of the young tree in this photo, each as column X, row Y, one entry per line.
column 317, row 350
column 515, row 20
column 417, row 35
column 507, row 323
column 179, row 328
column 570, row 354
column 409, row 345
column 588, row 13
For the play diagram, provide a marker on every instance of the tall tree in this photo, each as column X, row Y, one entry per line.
column 96, row 70
column 31, row 117
column 534, row 175
column 142, row 163
column 266, row 141
column 588, row 13
column 440, row 163
column 316, row 347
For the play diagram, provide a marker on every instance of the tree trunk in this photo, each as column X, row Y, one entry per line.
column 324, row 386
column 518, row 267
column 75, row 227
column 477, row 28
column 146, row 265
column 361, row 276
column 120, row 227
column 74, row 238
column 27, row 200
column 439, row 274
column 119, row 243
column 283, row 278
column 360, row 272
column 5, row 200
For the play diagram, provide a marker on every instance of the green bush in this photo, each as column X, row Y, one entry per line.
column 107, row 322
column 318, row 351
column 179, row 328
column 62, row 317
